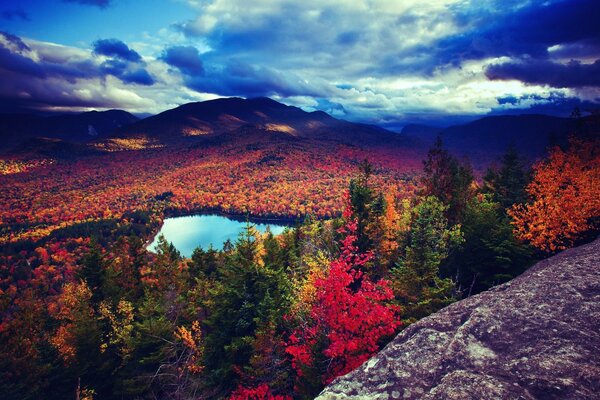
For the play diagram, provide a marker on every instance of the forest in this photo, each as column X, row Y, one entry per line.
column 382, row 241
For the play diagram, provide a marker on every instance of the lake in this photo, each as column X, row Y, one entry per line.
column 187, row 233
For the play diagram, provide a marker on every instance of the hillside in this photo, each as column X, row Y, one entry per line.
column 215, row 117
column 536, row 337
column 15, row 129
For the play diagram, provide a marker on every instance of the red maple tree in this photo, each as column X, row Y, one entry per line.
column 349, row 317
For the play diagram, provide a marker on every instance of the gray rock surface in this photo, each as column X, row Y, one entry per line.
column 536, row 337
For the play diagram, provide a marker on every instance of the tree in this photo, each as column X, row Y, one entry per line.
column 162, row 273
column 416, row 279
column 361, row 198
column 78, row 336
column 564, row 196
column 447, row 179
column 507, row 184
column 93, row 271
column 349, row 317
column 251, row 295
column 490, row 254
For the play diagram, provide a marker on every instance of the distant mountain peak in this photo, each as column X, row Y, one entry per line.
column 219, row 116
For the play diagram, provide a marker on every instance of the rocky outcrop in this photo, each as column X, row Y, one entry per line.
column 536, row 337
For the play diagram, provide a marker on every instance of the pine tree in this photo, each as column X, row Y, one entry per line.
column 447, row 179
column 251, row 295
column 93, row 271
column 507, row 184
column 416, row 279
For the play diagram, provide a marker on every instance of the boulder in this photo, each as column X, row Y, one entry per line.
column 535, row 337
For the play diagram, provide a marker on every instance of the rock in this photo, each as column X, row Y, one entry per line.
column 536, row 337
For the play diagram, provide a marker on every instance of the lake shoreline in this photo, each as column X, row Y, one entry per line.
column 240, row 217
column 211, row 229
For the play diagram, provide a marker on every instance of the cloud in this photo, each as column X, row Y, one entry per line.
column 37, row 74
column 543, row 72
column 234, row 78
column 123, row 62
column 139, row 76
column 116, row 48
column 12, row 41
column 240, row 79
column 127, row 72
column 96, row 3
column 524, row 31
column 376, row 61
column 185, row 58
column 18, row 57
column 17, row 13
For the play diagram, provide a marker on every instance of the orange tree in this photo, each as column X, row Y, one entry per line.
column 564, row 198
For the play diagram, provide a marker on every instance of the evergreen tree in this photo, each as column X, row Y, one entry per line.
column 490, row 254
column 93, row 272
column 416, row 279
column 447, row 179
column 251, row 295
column 507, row 184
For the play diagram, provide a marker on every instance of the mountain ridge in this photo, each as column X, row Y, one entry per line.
column 218, row 116
column 17, row 129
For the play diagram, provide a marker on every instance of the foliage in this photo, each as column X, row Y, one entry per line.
column 349, row 316
column 85, row 308
column 490, row 254
column 507, row 184
column 447, row 179
column 426, row 244
column 261, row 392
column 564, row 198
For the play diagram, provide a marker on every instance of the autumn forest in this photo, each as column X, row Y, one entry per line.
column 383, row 236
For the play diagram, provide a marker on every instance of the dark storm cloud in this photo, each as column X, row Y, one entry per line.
column 14, row 40
column 241, row 79
column 139, row 76
column 127, row 72
column 529, row 31
column 17, row 13
column 116, row 48
column 185, row 58
column 542, row 72
column 14, row 60
column 234, row 77
column 41, row 76
column 123, row 62
column 96, row 3
column 556, row 104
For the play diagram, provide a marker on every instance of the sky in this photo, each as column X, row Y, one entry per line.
column 386, row 62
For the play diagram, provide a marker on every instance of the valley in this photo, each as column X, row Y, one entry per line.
column 126, row 254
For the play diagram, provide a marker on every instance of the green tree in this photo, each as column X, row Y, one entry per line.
column 416, row 280
column 490, row 254
column 447, row 179
column 93, row 271
column 251, row 294
column 507, row 184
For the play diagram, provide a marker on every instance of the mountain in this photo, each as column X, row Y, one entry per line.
column 16, row 129
column 216, row 117
column 43, row 147
column 487, row 138
column 536, row 337
column 422, row 133
column 531, row 134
